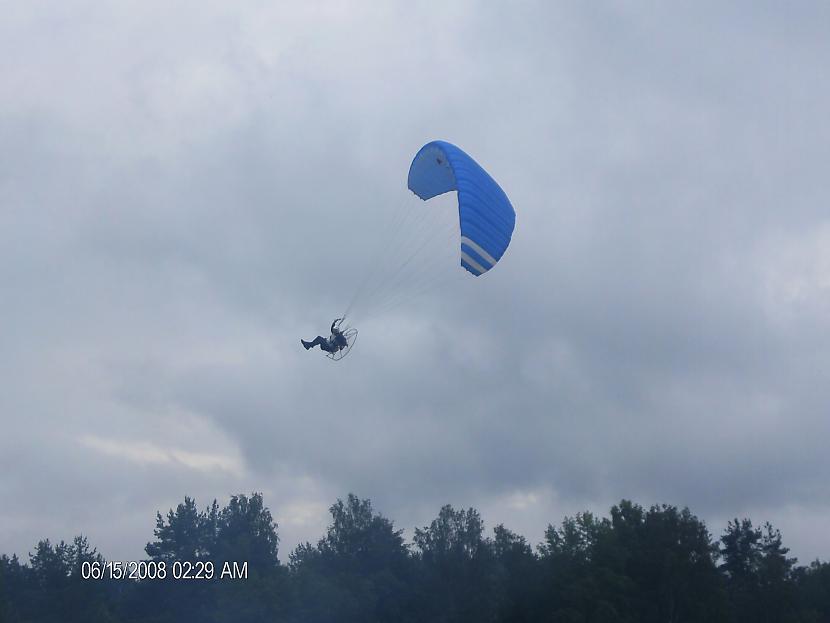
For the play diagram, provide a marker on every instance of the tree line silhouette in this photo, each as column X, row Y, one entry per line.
column 658, row 564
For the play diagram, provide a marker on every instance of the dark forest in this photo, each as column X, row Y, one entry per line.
column 657, row 564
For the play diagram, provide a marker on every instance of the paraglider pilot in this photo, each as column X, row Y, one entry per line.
column 336, row 342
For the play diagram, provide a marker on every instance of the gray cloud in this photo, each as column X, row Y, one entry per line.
column 184, row 193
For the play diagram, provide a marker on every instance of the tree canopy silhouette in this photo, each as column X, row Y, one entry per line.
column 636, row 565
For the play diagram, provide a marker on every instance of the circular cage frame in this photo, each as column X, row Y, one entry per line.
column 351, row 337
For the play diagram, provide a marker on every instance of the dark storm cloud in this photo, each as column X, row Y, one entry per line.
column 186, row 193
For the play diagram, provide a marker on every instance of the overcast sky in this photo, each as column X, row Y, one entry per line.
column 186, row 191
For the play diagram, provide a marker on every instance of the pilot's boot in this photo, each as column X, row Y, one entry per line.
column 306, row 344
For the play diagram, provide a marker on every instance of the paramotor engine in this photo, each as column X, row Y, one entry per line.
column 350, row 333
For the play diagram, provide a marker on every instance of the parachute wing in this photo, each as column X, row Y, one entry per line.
column 485, row 213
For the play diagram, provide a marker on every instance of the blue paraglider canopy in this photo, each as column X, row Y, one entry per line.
column 486, row 216
column 420, row 249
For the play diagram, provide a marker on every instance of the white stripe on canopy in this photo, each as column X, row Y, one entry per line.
column 477, row 248
column 473, row 263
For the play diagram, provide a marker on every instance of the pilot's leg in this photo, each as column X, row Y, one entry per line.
column 318, row 341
